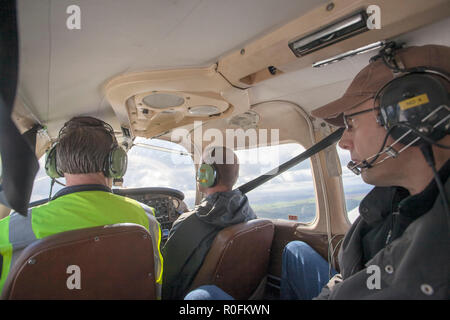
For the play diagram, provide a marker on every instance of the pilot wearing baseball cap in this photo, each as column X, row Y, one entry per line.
column 397, row 121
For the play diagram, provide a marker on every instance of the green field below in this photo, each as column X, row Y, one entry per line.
column 304, row 209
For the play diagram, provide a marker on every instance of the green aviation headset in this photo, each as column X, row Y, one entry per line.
column 207, row 175
column 115, row 164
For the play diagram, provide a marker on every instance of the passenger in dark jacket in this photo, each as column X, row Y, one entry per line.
column 399, row 247
column 194, row 232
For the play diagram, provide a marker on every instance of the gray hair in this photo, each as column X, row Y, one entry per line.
column 83, row 149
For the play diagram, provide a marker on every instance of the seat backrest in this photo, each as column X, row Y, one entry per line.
column 238, row 259
column 107, row 262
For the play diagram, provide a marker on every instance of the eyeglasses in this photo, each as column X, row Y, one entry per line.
column 348, row 119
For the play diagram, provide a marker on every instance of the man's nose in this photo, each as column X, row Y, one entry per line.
column 346, row 142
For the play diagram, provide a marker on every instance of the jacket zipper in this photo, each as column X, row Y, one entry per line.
column 389, row 235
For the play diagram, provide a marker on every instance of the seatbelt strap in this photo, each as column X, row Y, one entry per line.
column 324, row 143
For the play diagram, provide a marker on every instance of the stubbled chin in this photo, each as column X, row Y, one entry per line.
column 367, row 176
column 371, row 177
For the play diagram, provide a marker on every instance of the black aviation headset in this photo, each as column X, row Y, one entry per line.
column 115, row 163
column 415, row 101
column 414, row 108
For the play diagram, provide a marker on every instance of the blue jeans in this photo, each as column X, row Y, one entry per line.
column 304, row 272
column 208, row 292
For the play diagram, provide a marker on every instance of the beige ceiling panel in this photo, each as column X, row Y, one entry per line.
column 153, row 102
column 397, row 17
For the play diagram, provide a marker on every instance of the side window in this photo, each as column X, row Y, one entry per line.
column 289, row 196
column 355, row 189
column 41, row 186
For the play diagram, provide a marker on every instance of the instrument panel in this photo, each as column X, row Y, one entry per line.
column 168, row 204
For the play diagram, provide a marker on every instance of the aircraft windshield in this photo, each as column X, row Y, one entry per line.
column 146, row 168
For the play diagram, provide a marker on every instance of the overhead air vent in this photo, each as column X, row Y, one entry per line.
column 331, row 34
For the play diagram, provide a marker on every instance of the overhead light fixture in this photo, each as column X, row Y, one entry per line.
column 163, row 100
column 203, row 110
column 333, row 33
column 339, row 57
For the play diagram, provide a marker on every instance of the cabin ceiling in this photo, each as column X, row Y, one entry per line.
column 312, row 88
column 63, row 72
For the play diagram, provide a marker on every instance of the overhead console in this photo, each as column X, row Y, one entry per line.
column 151, row 103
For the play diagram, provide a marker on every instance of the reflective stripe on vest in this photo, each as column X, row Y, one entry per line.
column 155, row 230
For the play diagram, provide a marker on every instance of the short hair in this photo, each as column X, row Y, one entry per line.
column 83, row 145
column 226, row 163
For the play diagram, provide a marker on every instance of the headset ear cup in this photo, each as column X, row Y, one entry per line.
column 410, row 99
column 116, row 164
column 206, row 175
column 50, row 164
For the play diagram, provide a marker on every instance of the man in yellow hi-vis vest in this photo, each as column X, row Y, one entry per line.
column 89, row 157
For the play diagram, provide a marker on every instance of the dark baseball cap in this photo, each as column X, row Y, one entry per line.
column 374, row 76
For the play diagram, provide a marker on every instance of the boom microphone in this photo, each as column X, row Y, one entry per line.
column 391, row 153
column 389, row 150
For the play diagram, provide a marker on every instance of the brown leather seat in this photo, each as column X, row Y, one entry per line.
column 238, row 259
column 111, row 262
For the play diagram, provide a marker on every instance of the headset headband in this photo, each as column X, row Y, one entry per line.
column 86, row 121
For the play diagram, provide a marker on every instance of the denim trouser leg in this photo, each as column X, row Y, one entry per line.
column 208, row 292
column 304, row 272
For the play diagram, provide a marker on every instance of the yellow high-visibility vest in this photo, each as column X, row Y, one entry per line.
column 71, row 211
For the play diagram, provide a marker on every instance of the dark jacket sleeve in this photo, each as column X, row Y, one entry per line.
column 324, row 294
column 414, row 266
